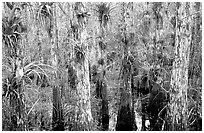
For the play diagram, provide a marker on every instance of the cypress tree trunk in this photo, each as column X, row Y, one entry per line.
column 57, row 120
column 126, row 117
column 101, row 85
column 195, row 68
column 101, row 92
column 179, row 81
column 82, row 70
column 158, row 42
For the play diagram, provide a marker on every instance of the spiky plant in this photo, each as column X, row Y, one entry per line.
column 44, row 16
column 12, row 29
column 102, row 45
column 16, row 75
column 79, row 49
column 79, row 54
column 17, row 70
column 103, row 10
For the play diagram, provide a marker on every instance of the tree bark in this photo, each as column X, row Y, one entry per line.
column 179, row 80
column 101, row 85
column 82, row 73
column 57, row 120
column 126, row 117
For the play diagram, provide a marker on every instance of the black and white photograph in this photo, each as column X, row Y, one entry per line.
column 101, row 66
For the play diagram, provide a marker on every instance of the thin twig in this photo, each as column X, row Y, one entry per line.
column 33, row 106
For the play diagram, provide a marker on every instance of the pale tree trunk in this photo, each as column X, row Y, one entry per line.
column 179, row 80
column 82, row 73
column 83, row 89
column 57, row 118
column 38, row 37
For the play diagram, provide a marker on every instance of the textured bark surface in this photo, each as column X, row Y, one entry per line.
column 126, row 117
column 179, row 80
column 82, row 73
column 57, row 118
column 83, row 88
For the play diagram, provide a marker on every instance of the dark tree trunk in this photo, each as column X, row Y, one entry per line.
column 101, row 85
column 104, row 109
column 126, row 116
column 57, row 120
column 101, row 93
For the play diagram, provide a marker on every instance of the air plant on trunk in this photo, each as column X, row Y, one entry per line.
column 102, row 45
column 79, row 54
column 103, row 10
column 83, row 114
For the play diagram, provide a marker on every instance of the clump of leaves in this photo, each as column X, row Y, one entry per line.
column 102, row 45
column 103, row 10
column 94, row 73
column 17, row 74
column 79, row 54
column 81, row 13
column 24, row 71
column 44, row 15
column 12, row 28
column 111, row 56
column 101, row 61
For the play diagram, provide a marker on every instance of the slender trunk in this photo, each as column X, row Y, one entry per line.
column 57, row 120
column 16, row 104
column 195, row 67
column 179, row 81
column 101, row 85
column 195, row 48
column 38, row 37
